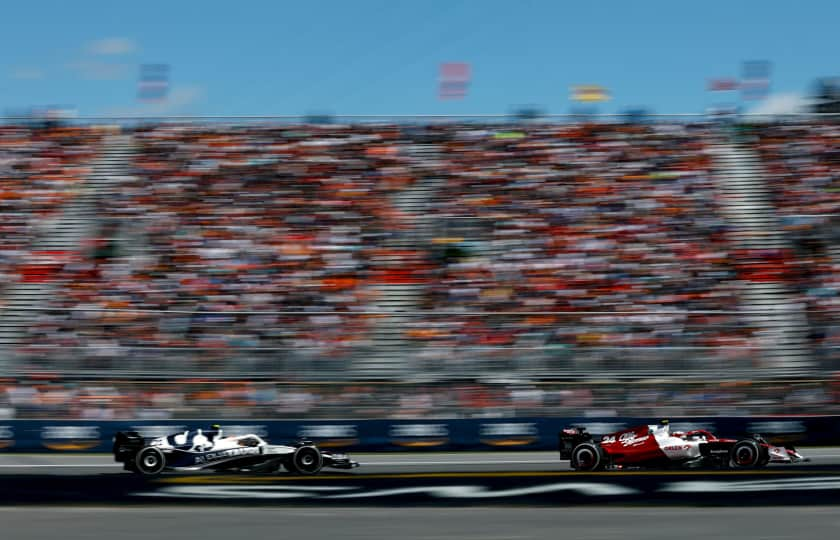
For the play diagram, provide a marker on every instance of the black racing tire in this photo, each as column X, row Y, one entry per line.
column 150, row 461
column 746, row 454
column 587, row 457
column 307, row 460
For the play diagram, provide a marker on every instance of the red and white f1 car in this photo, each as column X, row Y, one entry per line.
column 657, row 446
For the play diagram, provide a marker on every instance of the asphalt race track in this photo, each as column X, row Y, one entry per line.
column 420, row 478
column 367, row 523
column 382, row 463
column 370, row 463
column 462, row 503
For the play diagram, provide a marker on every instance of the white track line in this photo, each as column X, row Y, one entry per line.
column 55, row 465
column 416, row 463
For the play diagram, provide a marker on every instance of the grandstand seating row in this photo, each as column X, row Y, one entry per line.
column 222, row 226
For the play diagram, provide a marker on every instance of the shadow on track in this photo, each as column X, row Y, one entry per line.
column 776, row 485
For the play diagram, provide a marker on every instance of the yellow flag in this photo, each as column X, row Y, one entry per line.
column 589, row 93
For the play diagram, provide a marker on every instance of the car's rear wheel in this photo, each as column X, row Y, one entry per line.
column 306, row 460
column 746, row 454
column 150, row 461
column 587, row 457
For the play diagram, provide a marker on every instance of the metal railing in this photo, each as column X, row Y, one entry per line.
column 240, row 399
column 321, row 344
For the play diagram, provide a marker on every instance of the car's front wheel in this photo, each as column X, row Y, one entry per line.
column 150, row 461
column 587, row 457
column 746, row 454
column 306, row 460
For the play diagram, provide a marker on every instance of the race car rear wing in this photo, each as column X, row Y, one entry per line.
column 570, row 437
column 126, row 445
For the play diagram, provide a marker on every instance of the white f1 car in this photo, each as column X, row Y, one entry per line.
column 196, row 450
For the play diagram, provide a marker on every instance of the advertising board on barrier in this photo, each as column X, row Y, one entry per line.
column 788, row 431
column 384, row 435
column 70, row 437
column 597, row 428
column 419, row 435
column 158, row 430
column 260, row 430
column 692, row 426
column 508, row 434
column 7, row 436
column 331, row 435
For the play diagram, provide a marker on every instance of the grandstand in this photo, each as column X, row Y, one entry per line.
column 547, row 255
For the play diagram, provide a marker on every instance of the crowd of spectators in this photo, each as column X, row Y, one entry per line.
column 562, row 219
column 40, row 170
column 223, row 226
column 184, row 399
column 230, row 220
column 565, row 219
column 801, row 162
column 801, row 165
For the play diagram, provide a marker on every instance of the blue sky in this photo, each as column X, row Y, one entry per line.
column 381, row 57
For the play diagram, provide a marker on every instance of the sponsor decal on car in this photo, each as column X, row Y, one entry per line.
column 508, row 433
column 7, row 436
column 624, row 437
column 419, row 435
column 676, row 447
column 69, row 438
column 224, row 454
column 331, row 435
column 629, row 438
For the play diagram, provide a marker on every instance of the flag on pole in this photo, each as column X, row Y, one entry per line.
column 454, row 80
column 154, row 82
column 589, row 93
column 722, row 84
column 755, row 79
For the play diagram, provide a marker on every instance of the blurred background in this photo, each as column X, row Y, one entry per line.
column 384, row 210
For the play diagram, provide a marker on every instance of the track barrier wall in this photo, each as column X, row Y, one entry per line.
column 407, row 435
